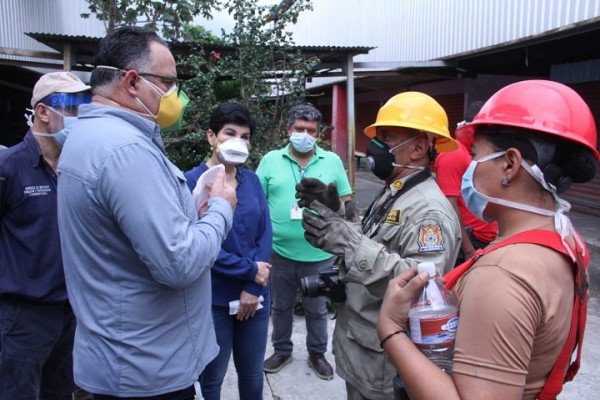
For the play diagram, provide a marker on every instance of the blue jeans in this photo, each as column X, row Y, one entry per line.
column 285, row 281
column 36, row 348
column 248, row 340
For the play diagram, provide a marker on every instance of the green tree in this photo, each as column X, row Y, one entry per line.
column 255, row 64
column 171, row 16
column 260, row 67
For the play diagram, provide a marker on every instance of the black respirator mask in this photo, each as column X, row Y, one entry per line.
column 379, row 159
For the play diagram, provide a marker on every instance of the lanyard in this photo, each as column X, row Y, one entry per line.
column 381, row 212
column 302, row 171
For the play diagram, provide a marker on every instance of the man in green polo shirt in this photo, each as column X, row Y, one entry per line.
column 293, row 257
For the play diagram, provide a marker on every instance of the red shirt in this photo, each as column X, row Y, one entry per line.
column 449, row 169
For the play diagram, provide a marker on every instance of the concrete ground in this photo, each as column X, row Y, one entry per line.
column 296, row 381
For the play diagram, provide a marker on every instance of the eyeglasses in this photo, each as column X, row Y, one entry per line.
column 166, row 79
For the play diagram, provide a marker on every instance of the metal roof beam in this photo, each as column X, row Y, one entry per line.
column 398, row 65
column 29, row 53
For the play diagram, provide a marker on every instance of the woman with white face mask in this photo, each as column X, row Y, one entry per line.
column 241, row 272
column 523, row 298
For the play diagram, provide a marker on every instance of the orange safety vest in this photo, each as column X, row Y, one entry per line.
column 564, row 370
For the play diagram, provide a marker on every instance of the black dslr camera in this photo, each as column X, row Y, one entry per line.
column 327, row 283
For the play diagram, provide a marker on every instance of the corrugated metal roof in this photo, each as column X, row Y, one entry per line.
column 409, row 30
column 55, row 37
column 41, row 36
column 84, row 47
column 57, row 16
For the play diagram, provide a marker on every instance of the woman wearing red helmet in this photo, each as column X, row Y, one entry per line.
column 522, row 309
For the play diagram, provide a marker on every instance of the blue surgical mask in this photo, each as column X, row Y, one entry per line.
column 476, row 201
column 61, row 136
column 302, row 142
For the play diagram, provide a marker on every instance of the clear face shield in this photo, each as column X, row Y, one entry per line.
column 65, row 107
column 66, row 104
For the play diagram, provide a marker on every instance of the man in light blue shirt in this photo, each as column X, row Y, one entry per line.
column 137, row 258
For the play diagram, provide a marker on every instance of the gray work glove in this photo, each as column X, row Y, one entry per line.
column 311, row 189
column 329, row 232
column 351, row 212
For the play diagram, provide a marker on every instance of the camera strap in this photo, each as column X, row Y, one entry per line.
column 383, row 209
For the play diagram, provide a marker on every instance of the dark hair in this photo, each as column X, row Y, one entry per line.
column 305, row 112
column 231, row 113
column 125, row 48
column 562, row 161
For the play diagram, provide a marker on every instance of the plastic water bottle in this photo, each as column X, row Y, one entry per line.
column 433, row 320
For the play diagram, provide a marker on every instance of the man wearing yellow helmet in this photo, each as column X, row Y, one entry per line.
column 411, row 221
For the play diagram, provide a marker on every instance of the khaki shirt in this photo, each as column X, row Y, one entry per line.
column 420, row 226
column 513, row 330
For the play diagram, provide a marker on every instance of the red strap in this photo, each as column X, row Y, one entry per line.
column 563, row 370
column 541, row 237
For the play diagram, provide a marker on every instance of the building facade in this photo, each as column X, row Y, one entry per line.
column 457, row 52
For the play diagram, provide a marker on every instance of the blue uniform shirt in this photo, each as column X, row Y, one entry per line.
column 30, row 259
column 248, row 241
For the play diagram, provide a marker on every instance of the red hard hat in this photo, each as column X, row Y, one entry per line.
column 544, row 106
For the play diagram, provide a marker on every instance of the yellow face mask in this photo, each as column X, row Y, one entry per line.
column 171, row 107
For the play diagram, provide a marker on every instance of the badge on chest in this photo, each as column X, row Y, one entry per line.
column 295, row 212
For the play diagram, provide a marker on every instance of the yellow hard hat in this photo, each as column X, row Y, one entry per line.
column 418, row 111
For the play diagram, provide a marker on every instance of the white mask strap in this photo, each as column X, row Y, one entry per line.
column 408, row 166
column 109, row 67
column 392, row 149
column 29, row 116
column 562, row 223
column 156, row 89
column 521, row 206
column 145, row 108
column 42, row 134
column 490, row 156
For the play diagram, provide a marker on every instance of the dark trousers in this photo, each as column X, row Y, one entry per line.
column 285, row 281
column 36, row 350
column 184, row 394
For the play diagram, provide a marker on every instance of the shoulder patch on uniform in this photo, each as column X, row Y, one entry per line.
column 393, row 217
column 430, row 238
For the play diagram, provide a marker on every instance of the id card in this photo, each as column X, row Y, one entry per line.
column 295, row 212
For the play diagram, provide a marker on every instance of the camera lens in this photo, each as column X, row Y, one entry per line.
column 311, row 286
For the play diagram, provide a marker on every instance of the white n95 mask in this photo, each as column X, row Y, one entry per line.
column 233, row 151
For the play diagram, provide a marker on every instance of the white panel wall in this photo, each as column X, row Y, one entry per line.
column 419, row 30
column 44, row 16
column 402, row 30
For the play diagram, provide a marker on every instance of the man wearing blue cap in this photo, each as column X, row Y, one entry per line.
column 36, row 321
